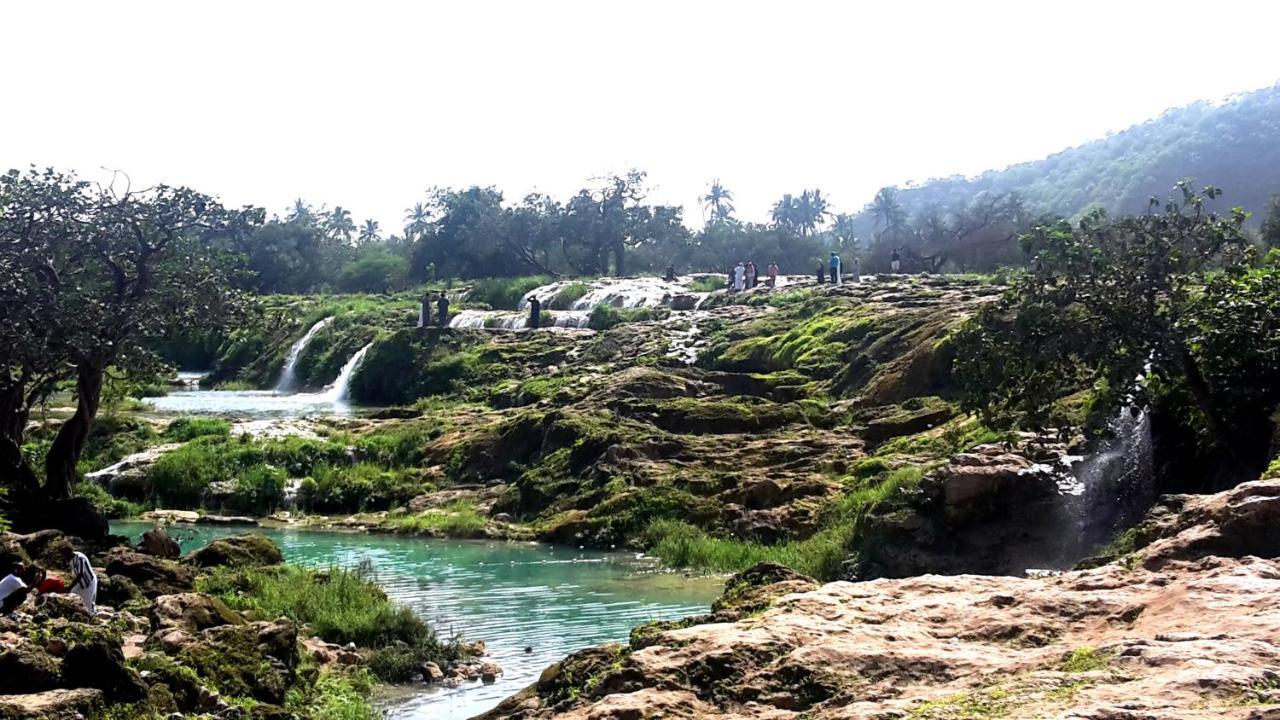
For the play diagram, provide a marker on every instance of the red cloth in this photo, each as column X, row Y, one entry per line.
column 53, row 585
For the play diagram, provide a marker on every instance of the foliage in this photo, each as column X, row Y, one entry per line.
column 1165, row 297
column 604, row 317
column 460, row 519
column 374, row 272
column 190, row 428
column 110, row 506
column 1270, row 230
column 504, row 293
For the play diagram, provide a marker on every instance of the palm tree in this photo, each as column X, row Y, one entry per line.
column 416, row 219
column 301, row 212
column 786, row 213
column 889, row 216
column 812, row 210
column 843, row 229
column 369, row 232
column 339, row 224
column 718, row 200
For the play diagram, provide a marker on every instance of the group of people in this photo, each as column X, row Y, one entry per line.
column 441, row 301
column 22, row 580
column 836, row 266
column 745, row 276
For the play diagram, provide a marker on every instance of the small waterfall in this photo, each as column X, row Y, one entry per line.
column 477, row 319
column 288, row 380
column 341, row 388
column 1113, row 487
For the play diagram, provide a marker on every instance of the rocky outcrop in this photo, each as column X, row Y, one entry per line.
column 59, row 704
column 192, row 612
column 25, row 667
column 237, row 550
column 153, row 576
column 157, row 543
column 1188, row 628
column 100, row 665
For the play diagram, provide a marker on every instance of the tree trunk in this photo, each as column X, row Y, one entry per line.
column 14, row 412
column 60, row 463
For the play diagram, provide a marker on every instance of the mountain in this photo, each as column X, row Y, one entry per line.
column 1232, row 143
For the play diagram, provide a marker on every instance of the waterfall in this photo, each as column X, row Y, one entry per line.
column 1115, row 485
column 288, row 380
column 341, row 388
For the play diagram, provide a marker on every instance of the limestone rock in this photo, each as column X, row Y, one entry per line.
column 100, row 665
column 191, row 612
column 26, row 668
column 152, row 575
column 59, row 704
column 237, row 550
column 157, row 543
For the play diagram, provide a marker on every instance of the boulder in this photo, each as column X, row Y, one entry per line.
column 237, row 550
column 227, row 520
column 51, row 704
column 153, row 576
column 49, row 548
column 25, row 667
column 65, row 606
column 101, row 665
column 116, row 590
column 11, row 551
column 182, row 516
column 256, row 659
column 157, row 543
column 191, row 612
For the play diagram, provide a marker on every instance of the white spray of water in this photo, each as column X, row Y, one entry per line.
column 288, row 378
column 341, row 389
column 1111, row 488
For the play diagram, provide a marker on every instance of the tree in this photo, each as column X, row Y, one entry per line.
column 1163, row 296
column 417, row 219
column 1270, row 230
column 811, row 211
column 339, row 225
column 718, row 201
column 844, row 230
column 890, row 218
column 369, row 232
column 109, row 273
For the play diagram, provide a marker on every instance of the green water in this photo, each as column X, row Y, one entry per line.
column 554, row 600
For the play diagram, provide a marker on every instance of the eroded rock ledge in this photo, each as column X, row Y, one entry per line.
column 1186, row 627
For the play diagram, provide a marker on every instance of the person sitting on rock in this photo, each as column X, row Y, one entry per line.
column 13, row 589
column 84, row 582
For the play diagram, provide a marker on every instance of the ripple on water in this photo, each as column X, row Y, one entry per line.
column 553, row 600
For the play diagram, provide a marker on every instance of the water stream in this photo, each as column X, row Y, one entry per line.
column 288, row 378
column 552, row 600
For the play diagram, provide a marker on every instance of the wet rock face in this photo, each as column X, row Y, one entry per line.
column 24, row 667
column 989, row 510
column 237, row 550
column 1186, row 629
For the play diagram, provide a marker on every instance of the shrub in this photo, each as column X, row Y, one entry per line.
column 604, row 317
column 567, row 296
column 190, row 428
column 377, row 272
column 504, row 293
column 111, row 507
column 708, row 283
column 460, row 518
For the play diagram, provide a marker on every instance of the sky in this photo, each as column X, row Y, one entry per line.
column 369, row 104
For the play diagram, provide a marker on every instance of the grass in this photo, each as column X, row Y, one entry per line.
column 822, row 556
column 336, row 695
column 708, row 283
column 604, row 317
column 568, row 295
column 190, row 428
column 1085, row 659
column 460, row 518
column 339, row 606
column 112, row 507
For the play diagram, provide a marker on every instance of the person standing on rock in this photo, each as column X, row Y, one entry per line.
column 895, row 260
column 835, row 268
column 535, row 312
column 670, row 275
column 442, row 309
column 424, row 313
column 83, row 582
column 739, row 277
column 773, row 273
column 857, row 272
column 822, row 273
column 751, row 274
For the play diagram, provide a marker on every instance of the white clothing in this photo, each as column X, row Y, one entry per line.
column 10, row 585
column 739, row 278
column 84, row 582
column 895, row 264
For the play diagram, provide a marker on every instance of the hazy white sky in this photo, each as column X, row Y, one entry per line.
column 366, row 104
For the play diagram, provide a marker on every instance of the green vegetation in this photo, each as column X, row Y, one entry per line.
column 190, row 428
column 604, row 317
column 708, row 283
column 1085, row 659
column 504, row 293
column 460, row 519
column 823, row 556
column 340, row 606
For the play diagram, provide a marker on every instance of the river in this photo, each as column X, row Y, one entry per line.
column 551, row 599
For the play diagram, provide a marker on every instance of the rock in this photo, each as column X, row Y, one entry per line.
column 11, row 551
column 684, row 302
column 432, row 673
column 489, row 672
column 63, row 605
column 26, row 668
column 157, row 543
column 227, row 519
column 51, row 704
column 49, row 548
column 237, row 550
column 99, row 665
column 182, row 516
column 256, row 659
column 129, row 477
column 191, row 612
column 116, row 590
column 57, row 647
column 1186, row 629
column 152, row 575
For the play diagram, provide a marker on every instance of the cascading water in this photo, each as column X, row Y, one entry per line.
column 288, row 378
column 341, row 389
column 1111, row 488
